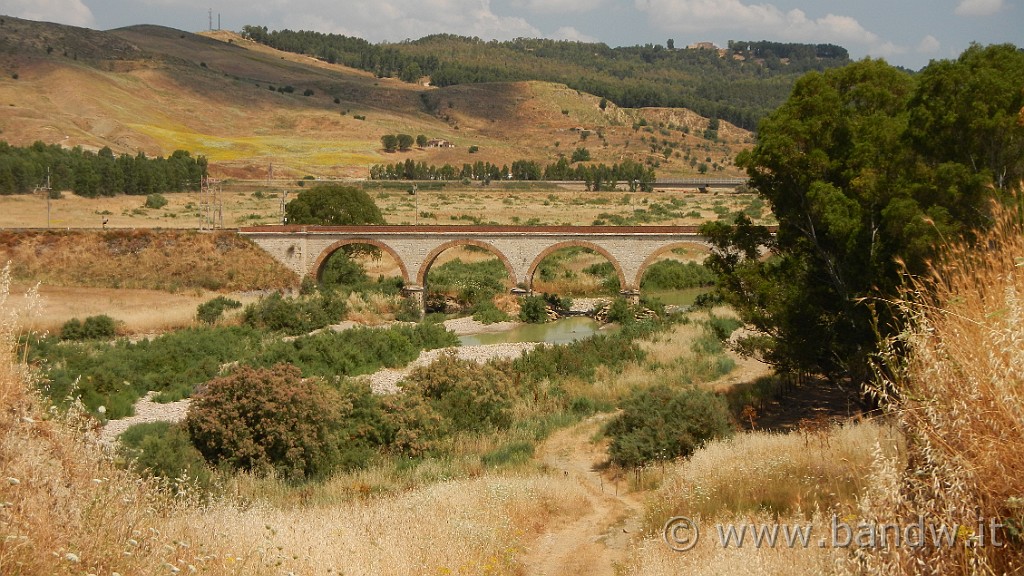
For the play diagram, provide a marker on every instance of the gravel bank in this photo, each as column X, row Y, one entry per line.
column 145, row 411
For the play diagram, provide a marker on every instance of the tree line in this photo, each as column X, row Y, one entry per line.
column 740, row 86
column 597, row 177
column 91, row 174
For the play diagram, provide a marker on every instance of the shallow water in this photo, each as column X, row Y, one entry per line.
column 560, row 331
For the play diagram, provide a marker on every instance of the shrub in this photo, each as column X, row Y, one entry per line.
column 487, row 313
column 294, row 315
column 156, row 201
column 264, row 420
column 341, row 270
column 468, row 395
column 533, row 309
column 662, row 423
column 100, row 327
column 620, row 312
column 165, row 450
column 356, row 351
column 211, row 311
column 675, row 275
column 471, row 282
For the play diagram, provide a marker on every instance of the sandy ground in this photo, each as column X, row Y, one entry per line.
column 138, row 311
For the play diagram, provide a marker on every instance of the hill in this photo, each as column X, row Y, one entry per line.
column 247, row 107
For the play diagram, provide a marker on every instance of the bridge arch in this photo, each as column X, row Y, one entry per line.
column 326, row 253
column 653, row 257
column 421, row 276
column 570, row 244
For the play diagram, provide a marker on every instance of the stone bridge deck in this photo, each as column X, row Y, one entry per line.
column 630, row 249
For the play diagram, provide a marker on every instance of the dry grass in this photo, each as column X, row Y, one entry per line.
column 163, row 260
column 67, row 509
column 959, row 395
column 758, row 477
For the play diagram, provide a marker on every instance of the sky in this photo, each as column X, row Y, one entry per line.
column 907, row 33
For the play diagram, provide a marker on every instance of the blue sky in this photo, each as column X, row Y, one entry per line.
column 905, row 32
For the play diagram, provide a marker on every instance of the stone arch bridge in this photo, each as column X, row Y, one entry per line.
column 630, row 249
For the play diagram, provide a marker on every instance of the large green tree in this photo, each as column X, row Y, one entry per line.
column 333, row 205
column 867, row 170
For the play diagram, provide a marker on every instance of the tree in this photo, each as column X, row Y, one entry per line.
column 389, row 142
column 333, row 205
column 861, row 193
column 670, row 44
column 405, row 142
column 421, row 141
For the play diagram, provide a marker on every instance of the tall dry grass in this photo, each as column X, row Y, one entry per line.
column 799, row 478
column 959, row 395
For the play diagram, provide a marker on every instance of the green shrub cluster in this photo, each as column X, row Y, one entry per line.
column 155, row 201
column 675, row 275
column 356, row 351
column 533, row 309
column 467, row 395
column 471, row 283
column 165, row 450
column 294, row 316
column 662, row 423
column 487, row 313
column 116, row 375
column 210, row 311
column 100, row 327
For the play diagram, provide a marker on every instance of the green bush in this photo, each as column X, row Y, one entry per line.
column 468, row 395
column 487, row 313
column 165, row 450
column 533, row 309
column 156, row 201
column 470, row 282
column 210, row 311
column 341, row 270
column 295, row 315
column 662, row 423
column 621, row 312
column 356, row 351
column 116, row 375
column 675, row 275
column 100, row 327
column 264, row 420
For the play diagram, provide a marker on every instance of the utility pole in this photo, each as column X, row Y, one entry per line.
column 46, row 190
column 211, row 18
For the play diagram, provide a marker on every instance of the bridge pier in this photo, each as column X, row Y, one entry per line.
column 631, row 295
column 417, row 295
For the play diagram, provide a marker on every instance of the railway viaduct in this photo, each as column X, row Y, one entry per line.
column 305, row 249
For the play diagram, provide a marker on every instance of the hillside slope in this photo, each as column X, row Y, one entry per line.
column 248, row 107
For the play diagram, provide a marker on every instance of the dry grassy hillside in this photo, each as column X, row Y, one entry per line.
column 167, row 260
column 157, row 89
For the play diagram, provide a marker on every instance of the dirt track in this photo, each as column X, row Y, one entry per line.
column 598, row 540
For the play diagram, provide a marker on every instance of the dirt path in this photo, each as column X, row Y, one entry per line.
column 597, row 541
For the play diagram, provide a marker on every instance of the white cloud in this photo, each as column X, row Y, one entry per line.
column 764, row 21
column 978, row 7
column 929, row 45
column 561, row 6
column 570, row 33
column 700, row 15
column 72, row 12
column 396, row 20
